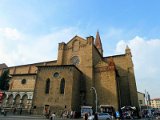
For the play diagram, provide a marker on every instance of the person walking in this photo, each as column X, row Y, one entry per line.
column 71, row 114
column 53, row 116
column 117, row 115
column 86, row 116
column 14, row 110
column 5, row 112
column 20, row 112
column 2, row 111
column 95, row 116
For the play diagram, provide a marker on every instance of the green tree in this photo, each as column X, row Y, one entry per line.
column 4, row 80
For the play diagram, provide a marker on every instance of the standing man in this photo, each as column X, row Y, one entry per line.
column 117, row 115
column 20, row 112
column 14, row 110
column 53, row 116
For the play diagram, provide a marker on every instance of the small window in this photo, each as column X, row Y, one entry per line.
column 56, row 74
column 34, row 107
column 23, row 81
column 140, row 101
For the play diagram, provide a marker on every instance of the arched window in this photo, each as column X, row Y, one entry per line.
column 62, row 86
column 47, row 86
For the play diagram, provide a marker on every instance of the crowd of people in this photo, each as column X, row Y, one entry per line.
column 149, row 113
column 64, row 114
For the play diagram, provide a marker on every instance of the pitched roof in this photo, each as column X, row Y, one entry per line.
column 3, row 65
column 156, row 99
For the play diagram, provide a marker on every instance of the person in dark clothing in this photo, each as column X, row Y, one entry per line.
column 95, row 116
column 30, row 111
column 14, row 110
column 20, row 112
column 5, row 113
column 86, row 116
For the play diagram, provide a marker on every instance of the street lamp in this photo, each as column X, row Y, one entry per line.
column 93, row 88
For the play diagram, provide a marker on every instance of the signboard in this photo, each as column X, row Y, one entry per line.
column 1, row 96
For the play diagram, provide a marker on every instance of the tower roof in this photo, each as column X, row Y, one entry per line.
column 3, row 65
column 127, row 47
column 98, row 43
column 128, row 51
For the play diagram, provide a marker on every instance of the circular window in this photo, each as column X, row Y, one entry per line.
column 24, row 81
column 75, row 60
column 56, row 74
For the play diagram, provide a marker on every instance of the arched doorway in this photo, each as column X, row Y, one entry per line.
column 10, row 101
column 24, row 101
column 17, row 100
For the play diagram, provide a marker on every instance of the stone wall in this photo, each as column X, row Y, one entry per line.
column 16, row 83
column 127, row 83
column 57, row 101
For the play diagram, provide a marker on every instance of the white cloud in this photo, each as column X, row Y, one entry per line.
column 10, row 34
column 30, row 49
column 115, row 33
column 146, row 59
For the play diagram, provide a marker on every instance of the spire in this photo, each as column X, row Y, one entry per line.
column 128, row 51
column 127, row 47
column 98, row 43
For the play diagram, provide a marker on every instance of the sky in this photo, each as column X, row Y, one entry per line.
column 30, row 31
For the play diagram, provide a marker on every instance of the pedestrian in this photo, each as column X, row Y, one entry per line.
column 5, row 112
column 14, row 110
column 2, row 111
column 20, row 112
column 71, row 114
column 30, row 111
column 86, row 116
column 95, row 116
column 117, row 115
column 53, row 116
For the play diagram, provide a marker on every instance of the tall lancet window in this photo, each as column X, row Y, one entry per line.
column 62, row 86
column 47, row 86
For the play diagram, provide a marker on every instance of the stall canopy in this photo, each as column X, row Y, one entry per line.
column 128, row 108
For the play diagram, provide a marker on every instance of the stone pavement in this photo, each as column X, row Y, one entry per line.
column 32, row 117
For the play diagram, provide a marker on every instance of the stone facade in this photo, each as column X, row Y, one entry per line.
column 56, row 100
column 22, row 84
column 155, row 103
column 65, row 84
column 141, row 100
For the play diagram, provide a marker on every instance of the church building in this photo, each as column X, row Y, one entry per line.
column 68, row 82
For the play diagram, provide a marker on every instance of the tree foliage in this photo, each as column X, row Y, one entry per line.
column 4, row 80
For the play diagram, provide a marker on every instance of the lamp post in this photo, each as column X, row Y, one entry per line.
column 93, row 88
